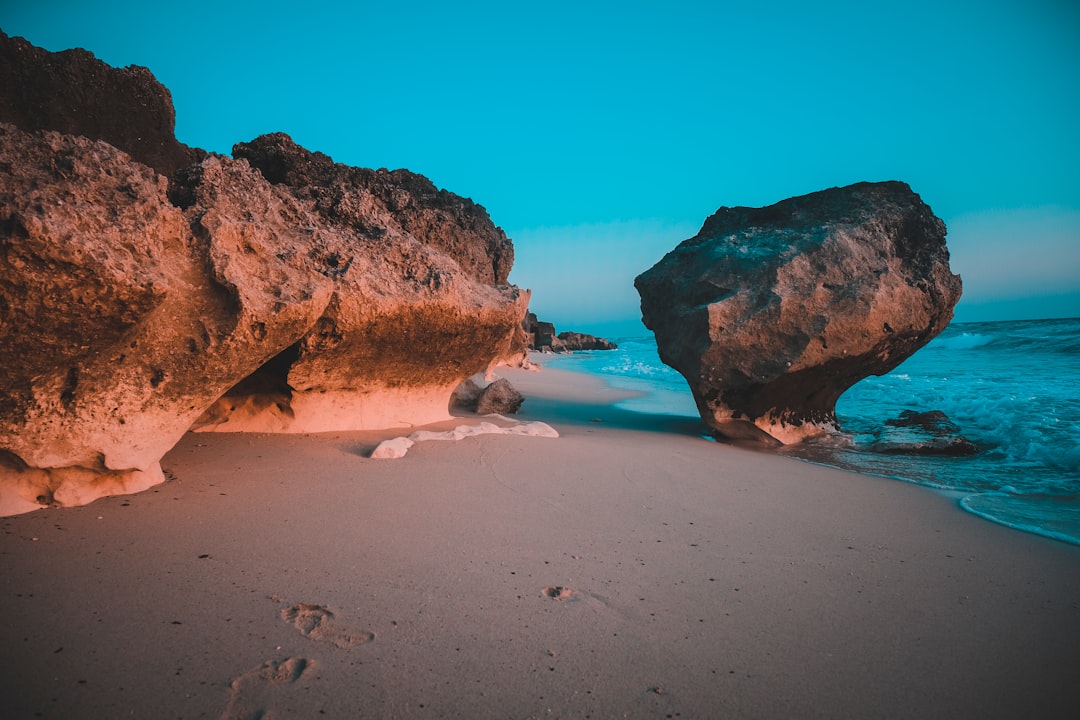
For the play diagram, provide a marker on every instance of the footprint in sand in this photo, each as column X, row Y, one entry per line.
column 252, row 694
column 317, row 622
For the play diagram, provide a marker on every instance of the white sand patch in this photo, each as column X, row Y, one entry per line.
column 392, row 449
column 397, row 447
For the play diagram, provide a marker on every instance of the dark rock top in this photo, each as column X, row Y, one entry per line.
column 352, row 196
column 74, row 93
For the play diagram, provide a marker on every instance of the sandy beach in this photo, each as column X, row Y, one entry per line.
column 628, row 568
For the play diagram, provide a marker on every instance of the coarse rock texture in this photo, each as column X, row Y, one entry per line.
column 414, row 311
column 772, row 313
column 295, row 296
column 466, row 395
column 499, row 398
column 374, row 204
column 125, row 318
column 75, row 93
column 539, row 335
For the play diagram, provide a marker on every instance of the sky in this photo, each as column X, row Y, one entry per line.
column 599, row 135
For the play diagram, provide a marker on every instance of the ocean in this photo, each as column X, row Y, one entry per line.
column 1010, row 388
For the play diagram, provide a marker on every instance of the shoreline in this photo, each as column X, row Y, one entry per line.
column 626, row 568
column 967, row 500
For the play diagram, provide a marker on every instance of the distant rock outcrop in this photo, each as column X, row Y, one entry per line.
column 572, row 341
column 540, row 335
column 772, row 313
column 274, row 292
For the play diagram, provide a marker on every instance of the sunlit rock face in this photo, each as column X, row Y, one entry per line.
column 420, row 300
column 772, row 313
column 228, row 297
column 410, row 316
column 123, row 319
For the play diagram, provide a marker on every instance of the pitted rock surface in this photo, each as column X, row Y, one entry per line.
column 772, row 313
column 295, row 296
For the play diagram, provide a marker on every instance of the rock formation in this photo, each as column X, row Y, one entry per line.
column 408, row 318
column 540, row 335
column 572, row 341
column 74, row 93
column 466, row 395
column 278, row 291
column 772, row 313
column 500, row 398
column 395, row 448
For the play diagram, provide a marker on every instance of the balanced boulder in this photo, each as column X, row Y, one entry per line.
column 772, row 313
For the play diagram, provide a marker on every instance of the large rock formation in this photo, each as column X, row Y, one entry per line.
column 297, row 295
column 419, row 303
column 772, row 313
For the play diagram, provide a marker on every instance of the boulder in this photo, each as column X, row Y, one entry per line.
column 373, row 204
column 297, row 295
column 465, row 395
column 772, row 313
column 500, row 398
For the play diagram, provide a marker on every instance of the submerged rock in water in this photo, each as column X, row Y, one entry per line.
column 275, row 292
column 772, row 313
column 923, row 433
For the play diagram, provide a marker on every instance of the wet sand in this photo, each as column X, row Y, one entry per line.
column 628, row 568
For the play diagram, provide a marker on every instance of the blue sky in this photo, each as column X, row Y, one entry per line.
column 599, row 135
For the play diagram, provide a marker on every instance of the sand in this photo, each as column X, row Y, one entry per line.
column 628, row 568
